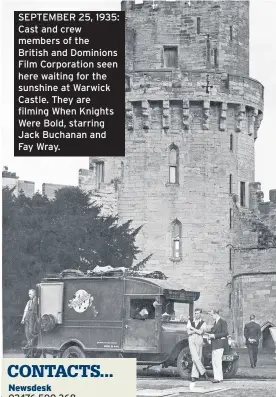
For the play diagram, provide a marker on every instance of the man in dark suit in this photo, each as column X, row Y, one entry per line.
column 218, row 336
column 252, row 334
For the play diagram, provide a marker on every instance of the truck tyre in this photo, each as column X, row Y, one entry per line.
column 183, row 361
column 230, row 370
column 73, row 352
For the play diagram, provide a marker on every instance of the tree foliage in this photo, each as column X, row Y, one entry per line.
column 42, row 236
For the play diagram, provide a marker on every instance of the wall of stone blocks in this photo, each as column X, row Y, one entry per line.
column 113, row 169
column 254, row 264
column 106, row 196
column 175, row 24
column 201, row 201
column 254, row 261
column 254, row 294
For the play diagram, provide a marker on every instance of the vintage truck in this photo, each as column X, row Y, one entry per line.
column 94, row 315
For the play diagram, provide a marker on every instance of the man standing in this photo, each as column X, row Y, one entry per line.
column 218, row 338
column 195, row 330
column 30, row 317
column 252, row 334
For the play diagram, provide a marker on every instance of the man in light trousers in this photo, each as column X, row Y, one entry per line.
column 195, row 329
column 219, row 342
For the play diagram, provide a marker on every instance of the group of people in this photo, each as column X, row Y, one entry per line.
column 218, row 335
column 196, row 329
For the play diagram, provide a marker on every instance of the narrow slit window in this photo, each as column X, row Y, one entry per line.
column 230, row 184
column 208, row 48
column 198, row 25
column 230, row 218
column 230, row 259
column 170, row 57
column 230, row 301
column 215, row 57
column 231, row 142
column 231, row 33
column 242, row 194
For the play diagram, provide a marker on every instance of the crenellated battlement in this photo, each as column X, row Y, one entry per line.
column 180, row 7
column 155, row 5
column 266, row 209
column 163, row 6
column 255, row 227
column 167, row 100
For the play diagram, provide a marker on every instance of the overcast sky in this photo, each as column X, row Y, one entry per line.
column 65, row 170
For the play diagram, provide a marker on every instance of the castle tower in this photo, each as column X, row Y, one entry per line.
column 192, row 115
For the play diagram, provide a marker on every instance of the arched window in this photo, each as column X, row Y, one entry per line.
column 176, row 239
column 173, row 164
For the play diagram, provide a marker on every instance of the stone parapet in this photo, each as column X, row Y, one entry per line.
column 192, row 85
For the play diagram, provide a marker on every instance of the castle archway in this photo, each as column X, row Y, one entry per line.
column 267, row 342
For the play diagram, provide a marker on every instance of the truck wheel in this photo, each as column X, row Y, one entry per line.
column 183, row 362
column 230, row 369
column 73, row 352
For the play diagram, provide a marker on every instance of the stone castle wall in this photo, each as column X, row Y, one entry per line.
column 255, row 294
column 196, row 108
column 254, row 263
column 198, row 30
column 105, row 196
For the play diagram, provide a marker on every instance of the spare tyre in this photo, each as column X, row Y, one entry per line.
column 48, row 323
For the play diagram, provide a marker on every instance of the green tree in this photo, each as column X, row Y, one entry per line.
column 47, row 236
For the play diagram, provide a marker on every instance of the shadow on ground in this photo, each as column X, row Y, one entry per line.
column 266, row 368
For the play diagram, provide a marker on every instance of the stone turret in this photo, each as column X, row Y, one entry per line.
column 192, row 116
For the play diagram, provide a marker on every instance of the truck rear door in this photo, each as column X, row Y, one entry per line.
column 51, row 300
